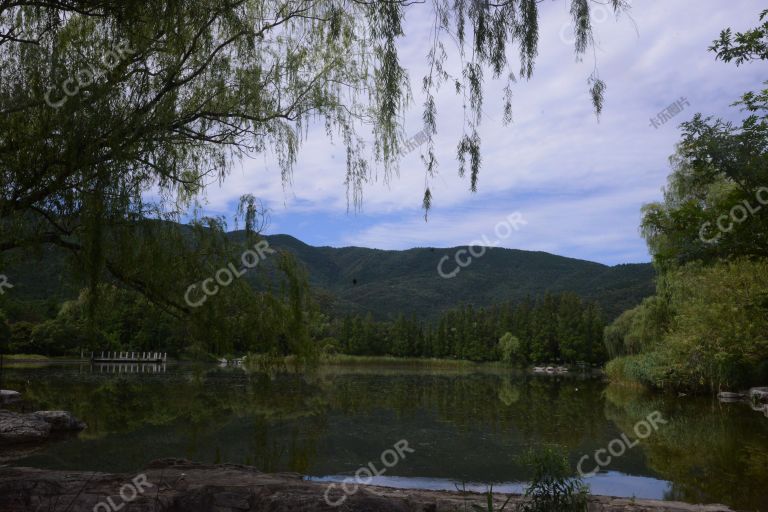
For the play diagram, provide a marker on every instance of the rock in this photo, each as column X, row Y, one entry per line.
column 759, row 395
column 176, row 485
column 61, row 421
column 8, row 396
column 727, row 396
column 22, row 428
column 36, row 427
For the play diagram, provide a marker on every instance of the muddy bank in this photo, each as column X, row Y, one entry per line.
column 180, row 486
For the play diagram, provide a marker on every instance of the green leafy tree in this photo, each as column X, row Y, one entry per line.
column 713, row 203
column 704, row 331
column 743, row 46
column 616, row 333
column 184, row 88
column 510, row 348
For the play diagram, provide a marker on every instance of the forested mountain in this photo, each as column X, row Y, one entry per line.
column 386, row 283
column 356, row 280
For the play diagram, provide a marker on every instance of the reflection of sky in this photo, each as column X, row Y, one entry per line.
column 611, row 483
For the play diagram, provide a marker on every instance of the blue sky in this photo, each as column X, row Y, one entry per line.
column 577, row 182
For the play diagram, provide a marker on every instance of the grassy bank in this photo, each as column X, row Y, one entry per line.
column 401, row 361
column 25, row 357
column 256, row 361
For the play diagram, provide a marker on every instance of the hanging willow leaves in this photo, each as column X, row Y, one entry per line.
column 117, row 113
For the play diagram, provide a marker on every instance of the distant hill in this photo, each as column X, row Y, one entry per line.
column 386, row 283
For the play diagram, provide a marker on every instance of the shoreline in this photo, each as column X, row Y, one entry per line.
column 177, row 484
column 336, row 360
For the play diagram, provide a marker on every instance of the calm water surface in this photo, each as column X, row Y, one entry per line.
column 466, row 427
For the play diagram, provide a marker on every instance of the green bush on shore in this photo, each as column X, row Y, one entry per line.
column 716, row 337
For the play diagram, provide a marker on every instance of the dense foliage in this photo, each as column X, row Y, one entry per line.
column 707, row 327
column 114, row 112
column 710, row 333
column 559, row 328
column 124, row 320
column 555, row 328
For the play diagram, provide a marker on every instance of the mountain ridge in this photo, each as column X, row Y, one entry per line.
column 388, row 282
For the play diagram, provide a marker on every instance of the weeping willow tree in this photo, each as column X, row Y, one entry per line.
column 116, row 115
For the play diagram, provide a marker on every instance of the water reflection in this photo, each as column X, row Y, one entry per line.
column 128, row 367
column 710, row 451
column 465, row 426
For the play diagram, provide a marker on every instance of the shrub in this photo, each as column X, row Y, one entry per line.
column 712, row 336
column 553, row 487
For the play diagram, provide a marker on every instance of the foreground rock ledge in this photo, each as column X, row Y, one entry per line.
column 182, row 486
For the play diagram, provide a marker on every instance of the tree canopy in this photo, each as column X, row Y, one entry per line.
column 705, row 328
column 116, row 115
column 716, row 203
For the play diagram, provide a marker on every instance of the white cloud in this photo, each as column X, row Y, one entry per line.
column 580, row 182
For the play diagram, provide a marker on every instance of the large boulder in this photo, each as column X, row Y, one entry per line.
column 8, row 396
column 36, row 427
column 759, row 395
column 61, row 421
column 22, row 428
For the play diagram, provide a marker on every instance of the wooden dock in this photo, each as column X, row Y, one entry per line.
column 129, row 357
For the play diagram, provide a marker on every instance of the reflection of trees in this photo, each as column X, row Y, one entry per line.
column 544, row 409
column 508, row 393
column 280, row 421
column 709, row 450
column 287, row 414
column 200, row 401
column 195, row 402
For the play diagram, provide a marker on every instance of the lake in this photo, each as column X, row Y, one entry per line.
column 467, row 427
